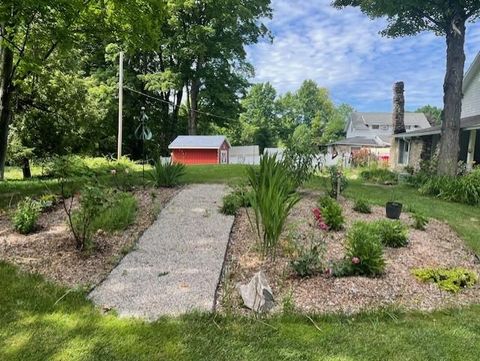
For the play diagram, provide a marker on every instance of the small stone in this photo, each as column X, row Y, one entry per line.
column 257, row 294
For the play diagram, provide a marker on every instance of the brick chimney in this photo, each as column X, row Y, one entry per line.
column 399, row 108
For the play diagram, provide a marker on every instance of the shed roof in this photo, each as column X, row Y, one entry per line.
column 469, row 123
column 198, row 142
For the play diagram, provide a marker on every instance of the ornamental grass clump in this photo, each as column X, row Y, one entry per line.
column 451, row 280
column 362, row 206
column 273, row 197
column 167, row 174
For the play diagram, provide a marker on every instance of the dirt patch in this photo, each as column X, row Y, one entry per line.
column 438, row 246
column 51, row 250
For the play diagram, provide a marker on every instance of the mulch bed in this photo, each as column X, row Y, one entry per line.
column 51, row 250
column 438, row 246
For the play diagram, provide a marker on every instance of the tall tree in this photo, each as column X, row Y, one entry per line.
column 444, row 17
column 433, row 114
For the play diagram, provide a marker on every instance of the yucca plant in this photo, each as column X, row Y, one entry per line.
column 167, row 174
column 272, row 199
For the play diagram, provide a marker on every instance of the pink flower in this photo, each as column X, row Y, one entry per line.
column 323, row 226
column 355, row 260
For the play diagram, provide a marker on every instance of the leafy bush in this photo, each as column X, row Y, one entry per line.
column 272, row 199
column 364, row 251
column 363, row 157
column 362, row 206
column 451, row 280
column 309, row 262
column 47, row 201
column 167, row 174
column 461, row 189
column 92, row 202
column 381, row 175
column 392, row 233
column 338, row 181
column 231, row 204
column 117, row 213
column 332, row 214
column 26, row 215
column 77, row 166
column 420, row 221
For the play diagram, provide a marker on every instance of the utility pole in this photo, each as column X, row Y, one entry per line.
column 120, row 108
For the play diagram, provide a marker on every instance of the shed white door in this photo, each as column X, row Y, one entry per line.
column 223, row 157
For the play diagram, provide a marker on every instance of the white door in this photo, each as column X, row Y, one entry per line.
column 223, row 157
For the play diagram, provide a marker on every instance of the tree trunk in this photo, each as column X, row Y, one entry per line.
column 27, row 173
column 399, row 108
column 6, row 92
column 450, row 141
column 193, row 116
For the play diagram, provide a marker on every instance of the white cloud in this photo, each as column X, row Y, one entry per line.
column 343, row 51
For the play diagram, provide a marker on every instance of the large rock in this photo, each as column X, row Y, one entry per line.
column 257, row 294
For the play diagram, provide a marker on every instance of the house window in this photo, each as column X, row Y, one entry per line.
column 375, row 126
column 403, row 152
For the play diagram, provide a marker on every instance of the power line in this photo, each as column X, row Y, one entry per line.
column 174, row 105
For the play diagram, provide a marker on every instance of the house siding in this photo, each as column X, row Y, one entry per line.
column 195, row 156
column 471, row 98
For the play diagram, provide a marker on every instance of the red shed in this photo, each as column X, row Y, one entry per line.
column 200, row 149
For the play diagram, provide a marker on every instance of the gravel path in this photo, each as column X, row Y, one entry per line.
column 177, row 263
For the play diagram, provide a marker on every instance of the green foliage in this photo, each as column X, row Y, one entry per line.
column 93, row 200
column 364, row 251
column 167, row 174
column 272, row 199
column 420, row 221
column 338, row 181
column 378, row 174
column 362, row 206
column 26, row 215
column 433, row 114
column 461, row 189
column 240, row 197
column 47, row 201
column 451, row 280
column 392, row 233
column 309, row 261
column 117, row 214
column 332, row 213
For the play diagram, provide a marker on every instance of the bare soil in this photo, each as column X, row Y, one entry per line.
column 438, row 246
column 50, row 251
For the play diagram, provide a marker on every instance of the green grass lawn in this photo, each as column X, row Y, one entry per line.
column 38, row 322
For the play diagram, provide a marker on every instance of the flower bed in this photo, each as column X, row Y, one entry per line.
column 437, row 246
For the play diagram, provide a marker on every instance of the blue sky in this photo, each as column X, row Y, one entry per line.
column 343, row 51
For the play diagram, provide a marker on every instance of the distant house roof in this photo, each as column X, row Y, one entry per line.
column 376, row 142
column 469, row 123
column 198, row 142
column 364, row 121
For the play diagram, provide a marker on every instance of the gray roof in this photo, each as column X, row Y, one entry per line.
column 363, row 142
column 469, row 123
column 363, row 121
column 198, row 142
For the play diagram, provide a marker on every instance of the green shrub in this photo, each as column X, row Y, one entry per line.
column 309, row 262
column 362, row 206
column 47, row 201
column 117, row 214
column 379, row 175
column 167, row 174
column 392, row 233
column 332, row 213
column 272, row 199
column 420, row 221
column 26, row 215
column 338, row 181
column 231, row 204
column 451, row 280
column 364, row 254
column 92, row 202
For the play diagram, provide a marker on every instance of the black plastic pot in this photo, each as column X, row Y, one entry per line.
column 394, row 209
